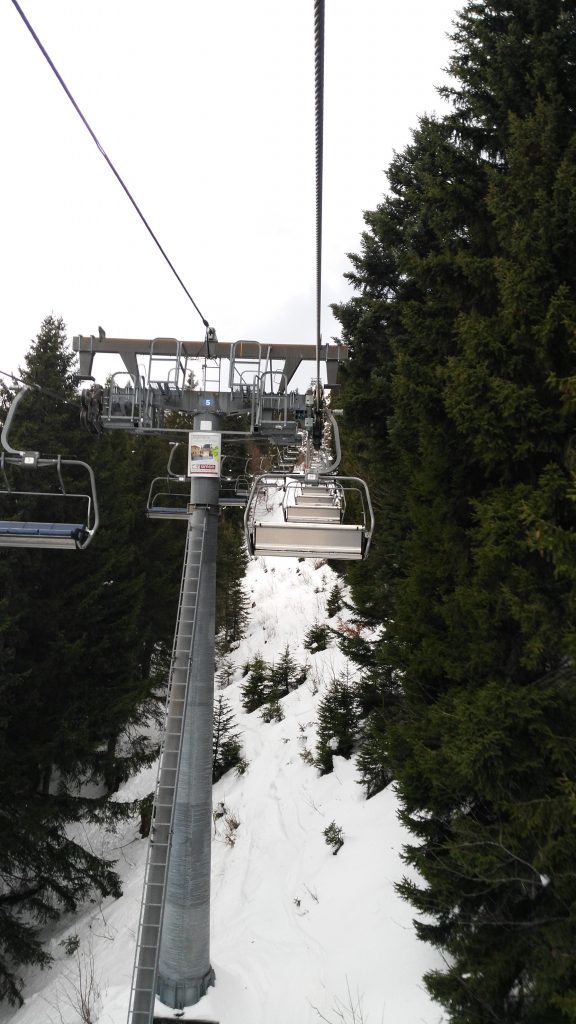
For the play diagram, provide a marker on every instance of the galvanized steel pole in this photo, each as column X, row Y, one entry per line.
column 184, row 970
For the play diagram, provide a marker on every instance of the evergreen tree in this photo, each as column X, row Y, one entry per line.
column 285, row 675
column 226, row 745
column 335, row 601
column 338, row 719
column 461, row 377
column 372, row 761
column 42, row 870
column 83, row 638
column 231, row 600
column 255, row 689
column 317, row 638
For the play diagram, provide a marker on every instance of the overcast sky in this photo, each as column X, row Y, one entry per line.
column 206, row 108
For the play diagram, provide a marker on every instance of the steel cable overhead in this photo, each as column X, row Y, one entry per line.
column 32, row 386
column 107, row 159
column 319, row 95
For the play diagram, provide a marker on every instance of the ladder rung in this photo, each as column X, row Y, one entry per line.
column 165, row 791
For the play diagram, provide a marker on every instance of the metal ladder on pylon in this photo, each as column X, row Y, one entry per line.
column 144, row 976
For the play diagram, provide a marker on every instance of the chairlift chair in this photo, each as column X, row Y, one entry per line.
column 314, row 530
column 58, row 531
column 166, row 500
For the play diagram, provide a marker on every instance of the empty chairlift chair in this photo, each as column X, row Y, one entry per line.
column 66, row 518
column 168, row 498
column 234, row 487
column 61, row 514
column 331, row 518
column 311, row 504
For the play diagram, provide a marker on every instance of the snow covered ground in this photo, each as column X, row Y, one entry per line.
column 298, row 935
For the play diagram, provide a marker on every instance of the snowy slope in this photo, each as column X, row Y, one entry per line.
column 297, row 932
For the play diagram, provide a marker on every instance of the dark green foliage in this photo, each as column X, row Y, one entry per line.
column 272, row 711
column 463, row 342
column 226, row 745
column 372, row 760
column 84, row 644
column 285, row 675
column 335, row 602
column 267, row 684
column 42, row 873
column 379, row 699
column 255, row 689
column 317, row 638
column 146, row 805
column 338, row 719
column 334, row 837
column 352, row 644
column 231, row 600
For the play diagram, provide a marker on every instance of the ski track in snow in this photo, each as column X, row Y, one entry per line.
column 296, row 931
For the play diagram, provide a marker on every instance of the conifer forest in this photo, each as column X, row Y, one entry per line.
column 459, row 410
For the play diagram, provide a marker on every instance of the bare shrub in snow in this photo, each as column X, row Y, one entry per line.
column 350, row 1011
column 80, row 990
column 231, row 825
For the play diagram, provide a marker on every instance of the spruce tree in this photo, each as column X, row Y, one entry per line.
column 372, row 761
column 231, row 600
column 42, row 870
column 462, row 339
column 226, row 745
column 255, row 689
column 284, row 676
column 338, row 719
column 83, row 642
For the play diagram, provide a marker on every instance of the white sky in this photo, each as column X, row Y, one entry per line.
column 207, row 111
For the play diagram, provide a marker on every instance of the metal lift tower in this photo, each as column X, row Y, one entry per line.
column 173, row 943
column 322, row 516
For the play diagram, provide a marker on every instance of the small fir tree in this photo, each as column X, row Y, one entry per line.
column 255, row 689
column 226, row 745
column 272, row 711
column 334, row 837
column 285, row 675
column 337, row 724
column 335, row 601
column 372, row 761
column 317, row 638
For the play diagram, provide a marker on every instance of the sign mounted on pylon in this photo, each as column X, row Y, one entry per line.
column 204, row 453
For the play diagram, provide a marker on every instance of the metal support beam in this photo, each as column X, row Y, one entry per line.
column 130, row 348
column 184, row 970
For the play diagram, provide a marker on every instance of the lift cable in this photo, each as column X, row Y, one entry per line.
column 319, row 92
column 32, row 386
column 107, row 159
